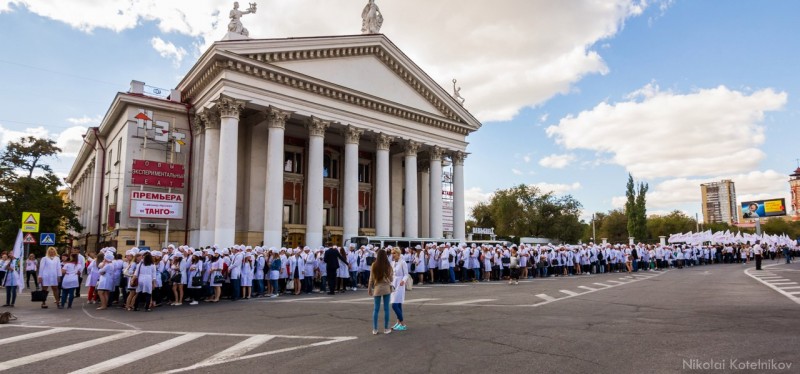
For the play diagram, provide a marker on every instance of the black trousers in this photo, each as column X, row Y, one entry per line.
column 331, row 279
column 758, row 262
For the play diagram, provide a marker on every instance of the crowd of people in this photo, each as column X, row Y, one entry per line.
column 142, row 280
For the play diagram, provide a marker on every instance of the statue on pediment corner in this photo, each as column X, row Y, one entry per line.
column 371, row 18
column 236, row 26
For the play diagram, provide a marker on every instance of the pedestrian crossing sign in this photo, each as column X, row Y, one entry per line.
column 29, row 239
column 47, row 238
column 30, row 222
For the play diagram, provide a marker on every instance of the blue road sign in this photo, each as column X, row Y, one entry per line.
column 47, row 238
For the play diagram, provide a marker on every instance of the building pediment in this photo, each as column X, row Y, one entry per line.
column 365, row 70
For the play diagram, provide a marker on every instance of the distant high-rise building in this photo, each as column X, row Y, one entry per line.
column 794, row 185
column 719, row 202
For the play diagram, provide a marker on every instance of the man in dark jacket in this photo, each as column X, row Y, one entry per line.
column 332, row 257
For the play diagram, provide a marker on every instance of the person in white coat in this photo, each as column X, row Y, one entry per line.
column 400, row 271
column 49, row 272
column 146, row 275
column 105, row 284
column 70, row 281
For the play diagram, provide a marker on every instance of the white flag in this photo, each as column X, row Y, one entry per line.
column 18, row 253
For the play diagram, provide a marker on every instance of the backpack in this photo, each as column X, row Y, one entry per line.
column 6, row 317
column 600, row 256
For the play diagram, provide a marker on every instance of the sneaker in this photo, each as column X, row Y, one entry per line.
column 401, row 328
column 395, row 326
column 194, row 302
column 387, row 331
column 374, row 332
column 517, row 282
column 273, row 296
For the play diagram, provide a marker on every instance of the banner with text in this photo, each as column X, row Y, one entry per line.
column 158, row 205
column 157, row 174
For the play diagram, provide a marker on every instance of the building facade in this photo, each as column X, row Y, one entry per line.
column 301, row 141
column 719, row 202
column 794, row 187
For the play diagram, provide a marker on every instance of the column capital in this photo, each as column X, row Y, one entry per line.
column 229, row 106
column 458, row 157
column 352, row 134
column 317, row 127
column 276, row 118
column 197, row 126
column 383, row 141
column 436, row 153
column 210, row 119
column 411, row 147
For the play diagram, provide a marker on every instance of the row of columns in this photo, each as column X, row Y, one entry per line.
column 218, row 193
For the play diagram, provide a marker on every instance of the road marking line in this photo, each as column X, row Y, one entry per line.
column 41, row 356
column 296, row 300
column 571, row 293
column 130, row 357
column 32, row 335
column 465, row 302
column 354, row 300
column 777, row 280
column 781, row 284
column 789, row 288
column 422, row 287
column 774, row 287
column 588, row 288
column 602, row 284
column 234, row 352
column 613, row 281
column 418, row 300
column 545, row 297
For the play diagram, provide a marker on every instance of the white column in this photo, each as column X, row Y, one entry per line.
column 424, row 187
column 382, row 201
column 314, row 187
column 94, row 193
column 273, row 206
column 459, row 224
column 208, row 192
column 352, row 135
column 436, row 229
column 225, row 212
column 411, row 217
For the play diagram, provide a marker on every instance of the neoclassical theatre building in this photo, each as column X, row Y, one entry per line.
column 298, row 141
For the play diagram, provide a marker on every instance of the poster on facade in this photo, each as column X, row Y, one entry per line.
column 156, row 205
column 157, row 174
column 447, row 215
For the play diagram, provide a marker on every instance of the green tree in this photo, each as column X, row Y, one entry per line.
column 673, row 223
column 525, row 211
column 27, row 183
column 614, row 227
column 636, row 209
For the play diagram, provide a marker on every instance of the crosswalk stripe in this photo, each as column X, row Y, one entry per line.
column 571, row 293
column 781, row 284
column 15, row 339
column 613, row 281
column 354, row 300
column 545, row 297
column 296, row 300
column 587, row 288
column 234, row 352
column 129, row 357
column 418, row 300
column 602, row 284
column 64, row 350
column 789, row 288
column 465, row 302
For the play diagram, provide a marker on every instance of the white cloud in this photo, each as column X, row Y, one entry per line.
column 557, row 188
column 168, row 50
column 660, row 134
column 555, row 161
column 544, row 117
column 675, row 193
column 527, row 158
column 516, row 171
column 86, row 120
column 519, row 64
column 69, row 140
column 473, row 196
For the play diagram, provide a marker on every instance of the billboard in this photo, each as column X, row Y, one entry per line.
column 157, row 174
column 764, row 208
column 146, row 204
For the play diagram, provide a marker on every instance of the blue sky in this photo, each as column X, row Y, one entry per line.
column 572, row 95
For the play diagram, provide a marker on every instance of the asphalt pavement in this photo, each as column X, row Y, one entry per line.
column 719, row 317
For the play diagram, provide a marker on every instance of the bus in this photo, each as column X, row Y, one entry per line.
column 383, row 241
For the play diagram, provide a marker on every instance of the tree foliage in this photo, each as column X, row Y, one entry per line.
column 525, row 211
column 636, row 208
column 27, row 183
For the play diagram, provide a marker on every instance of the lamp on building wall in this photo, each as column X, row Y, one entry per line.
column 285, row 233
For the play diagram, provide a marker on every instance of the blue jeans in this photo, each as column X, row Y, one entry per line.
column 353, row 278
column 259, row 286
column 477, row 273
column 452, row 275
column 398, row 311
column 324, row 284
column 67, row 292
column 376, row 310
column 275, row 288
column 236, row 288
column 636, row 265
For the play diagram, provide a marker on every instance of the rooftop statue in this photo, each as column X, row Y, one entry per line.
column 235, row 26
column 371, row 18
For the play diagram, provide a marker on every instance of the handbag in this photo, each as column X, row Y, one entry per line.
column 176, row 278
column 218, row 279
column 409, row 282
column 197, row 280
column 134, row 282
column 39, row 296
column 289, row 285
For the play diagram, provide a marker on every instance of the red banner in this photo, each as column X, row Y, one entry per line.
column 158, row 174
column 112, row 217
